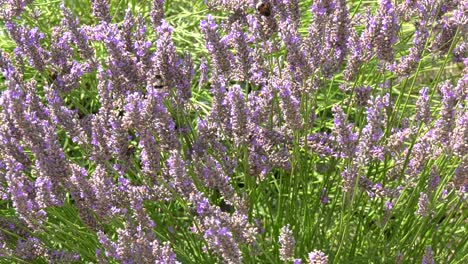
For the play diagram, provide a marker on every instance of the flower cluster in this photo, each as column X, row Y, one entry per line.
column 110, row 127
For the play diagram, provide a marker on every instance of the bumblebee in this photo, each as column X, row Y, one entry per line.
column 130, row 150
column 159, row 84
column 53, row 76
column 264, row 8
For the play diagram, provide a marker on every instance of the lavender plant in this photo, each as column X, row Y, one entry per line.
column 323, row 131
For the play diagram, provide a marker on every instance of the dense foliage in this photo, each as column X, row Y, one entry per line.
column 219, row 131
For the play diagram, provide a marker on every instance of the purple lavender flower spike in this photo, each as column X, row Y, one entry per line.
column 11, row 9
column 345, row 138
column 297, row 261
column 356, row 55
column 296, row 56
column 423, row 107
column 243, row 58
column 381, row 32
column 350, row 176
column 428, row 257
column 363, row 94
column 422, row 151
column 232, row 5
column 336, row 36
column 29, row 44
column 101, row 10
column 137, row 243
column 78, row 35
column 423, row 205
column 287, row 242
column 460, row 135
column 290, row 105
column 175, row 72
column 157, row 12
column 220, row 240
column 444, row 126
column 409, row 63
column 372, row 132
column 444, row 36
column 22, row 195
column 317, row 257
column 150, row 155
column 221, row 57
column 204, row 71
column 330, row 27
column 239, row 115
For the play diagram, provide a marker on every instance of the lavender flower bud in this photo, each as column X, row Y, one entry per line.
column 30, row 248
column 350, row 176
column 444, row 35
column 213, row 176
column 459, row 180
column 22, row 195
column 428, row 257
column 396, row 142
column 409, row 63
column 287, row 242
column 460, row 135
column 78, row 36
column 363, row 94
column 422, row 151
column 322, row 144
column 445, row 124
column 356, row 57
column 423, row 205
column 388, row 31
column 175, row 72
column 231, row 5
column 320, row 10
column 243, row 57
column 336, row 38
column 13, row 8
column 262, row 29
column 157, row 12
column 218, row 113
column 407, row 9
column 345, row 138
column 137, row 244
column 239, row 114
column 460, row 52
column 423, row 107
column 221, row 57
column 204, row 70
column 221, row 241
column 28, row 43
column 291, row 107
column 328, row 35
column 181, row 182
column 460, row 16
column 150, row 155
column 434, row 179
column 101, row 10
column 156, row 116
column 372, row 132
column 317, row 257
column 293, row 43
column 381, row 32
column 263, row 153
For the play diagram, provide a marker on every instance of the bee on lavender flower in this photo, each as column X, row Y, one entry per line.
column 53, row 76
column 159, row 84
column 264, row 8
column 130, row 150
